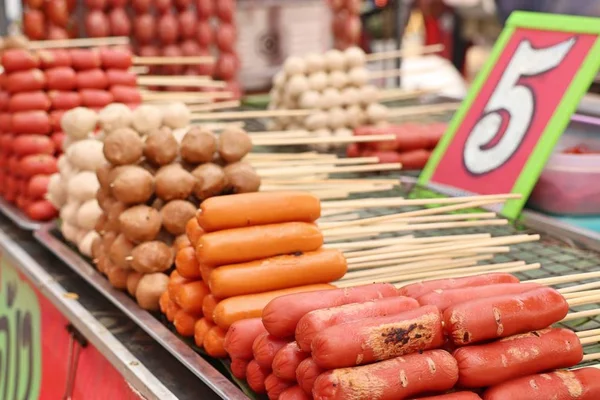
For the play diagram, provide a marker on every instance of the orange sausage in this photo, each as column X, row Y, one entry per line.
column 251, row 306
column 181, row 241
column 208, row 307
column 238, row 367
column 206, row 272
column 252, row 243
column 193, row 231
column 184, row 323
column 186, row 263
column 256, row 376
column 172, row 309
column 213, row 342
column 265, row 347
column 262, row 208
column 286, row 361
column 240, row 337
column 282, row 315
column 307, row 373
column 276, row 386
column 280, row 272
column 191, row 295
column 294, row 393
column 201, row 328
column 175, row 282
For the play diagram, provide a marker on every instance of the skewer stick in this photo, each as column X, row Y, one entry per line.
column 369, row 265
column 575, row 295
column 593, row 356
column 589, row 340
column 328, row 182
column 406, row 52
column 588, row 333
column 252, row 114
column 334, row 161
column 403, row 94
column 317, row 140
column 579, row 288
column 421, row 110
column 426, row 218
column 392, row 73
column 567, row 278
column 406, row 239
column 83, row 42
column 328, row 170
column 584, row 300
column 180, row 60
column 182, row 96
column 581, row 314
column 217, row 106
column 392, row 251
column 191, row 82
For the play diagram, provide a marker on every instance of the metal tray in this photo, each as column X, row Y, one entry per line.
column 146, row 321
column 17, row 216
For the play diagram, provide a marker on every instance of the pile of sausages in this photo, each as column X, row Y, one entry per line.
column 107, row 18
column 412, row 147
column 346, row 24
column 335, row 86
column 241, row 252
column 54, row 19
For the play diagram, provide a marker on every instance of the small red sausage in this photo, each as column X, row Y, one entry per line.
column 24, row 145
column 120, row 24
column 503, row 316
column 275, row 386
column 144, row 29
column 168, row 29
column 286, row 361
column 5, row 122
column 37, row 164
column 119, row 77
column 4, row 98
column 58, row 138
column 443, row 299
column 29, row 101
column 398, row 378
column 226, row 67
column 225, row 38
column 416, row 290
column 579, row 384
column 54, row 58
column 19, row 60
column 316, row 321
column 454, row 396
column 256, row 376
column 225, row 10
column 115, row 58
column 83, row 59
column 96, row 98
column 26, row 81
column 517, row 356
column 380, row 338
column 240, row 337
column 126, row 94
column 37, row 187
column 64, row 100
column 294, row 393
column 31, row 122
column 41, row 210
column 307, row 373
column 61, row 78
column 204, row 33
column 282, row 314
column 92, row 79
column 238, row 367
column 187, row 24
column 265, row 347
column 55, row 118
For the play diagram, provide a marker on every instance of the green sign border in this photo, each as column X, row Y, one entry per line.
column 562, row 115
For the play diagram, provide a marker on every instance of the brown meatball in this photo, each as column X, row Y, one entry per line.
column 161, row 147
column 242, row 178
column 152, row 257
column 140, row 223
column 234, row 144
column 133, row 185
column 176, row 214
column 198, row 146
column 174, row 182
column 210, row 181
column 123, row 146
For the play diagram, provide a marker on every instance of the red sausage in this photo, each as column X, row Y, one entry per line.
column 275, row 386
column 4, row 98
column 454, row 396
column 19, row 60
column 238, row 367
column 37, row 164
column 126, row 94
column 380, row 338
column 29, row 101
column 265, row 347
column 61, row 78
column 55, row 118
column 63, row 100
column 96, row 98
column 307, row 373
column 240, row 337
column 168, row 29
column 282, row 314
column 58, row 138
column 398, row 378
column 144, row 28
column 83, row 59
column 31, row 122
column 226, row 66
column 517, row 356
column 119, row 22
column 34, row 24
column 38, row 186
column 204, row 33
column 225, row 38
column 26, row 81
column 118, row 77
column 204, row 9
column 256, row 376
column 443, row 299
column 115, row 58
column 141, row 6
column 24, row 145
column 316, row 321
column 92, row 79
column 225, row 10
column 504, row 316
column 187, row 24
column 97, row 24
column 416, row 290
column 294, row 393
column 41, row 210
column 286, row 361
column 414, row 159
column 580, row 384
column 54, row 58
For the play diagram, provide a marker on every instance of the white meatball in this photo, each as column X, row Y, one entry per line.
column 322, row 133
column 79, row 122
column 70, row 232
column 336, row 118
column 86, row 155
column 147, row 118
column 83, row 186
column 318, row 81
column 314, row 63
column 115, row 116
column 342, row 133
column 176, row 115
column 355, row 116
column 57, row 194
column 65, row 168
column 331, row 98
column 297, row 84
column 377, row 112
column 355, row 57
column 310, row 99
column 68, row 213
column 294, row 66
column 88, row 214
column 335, row 60
column 279, row 80
column 85, row 244
column 316, row 120
column 368, row 94
column 350, row 96
column 358, row 77
column 338, row 79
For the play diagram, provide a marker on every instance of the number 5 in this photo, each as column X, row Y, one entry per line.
column 512, row 105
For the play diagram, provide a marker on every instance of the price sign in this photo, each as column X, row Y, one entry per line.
column 518, row 107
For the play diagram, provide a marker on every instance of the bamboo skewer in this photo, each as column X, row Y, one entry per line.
column 575, row 295
column 403, row 94
column 588, row 333
column 420, row 219
column 148, row 95
column 567, row 278
column 399, row 72
column 579, row 288
column 405, row 52
column 82, row 42
column 593, row 356
column 252, row 114
column 328, row 169
column 317, row 140
column 584, row 300
column 589, row 340
column 217, row 106
column 581, row 314
column 180, row 60
column 334, row 161
column 190, row 82
column 409, row 239
column 420, row 110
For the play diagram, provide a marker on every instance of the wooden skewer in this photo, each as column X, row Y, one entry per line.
column 588, row 333
column 317, row 140
column 405, row 239
column 579, row 288
column 252, row 114
column 182, row 96
column 395, row 72
column 216, row 106
column 82, row 42
column 581, row 314
column 181, row 60
column 402, row 94
column 584, row 300
column 288, row 156
column 567, row 278
column 593, row 356
column 405, row 52
column 334, row 161
column 328, row 182
column 420, row 110
column 427, row 218
column 589, row 340
column 141, row 70
column 149, row 81
column 328, row 170
column 575, row 295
